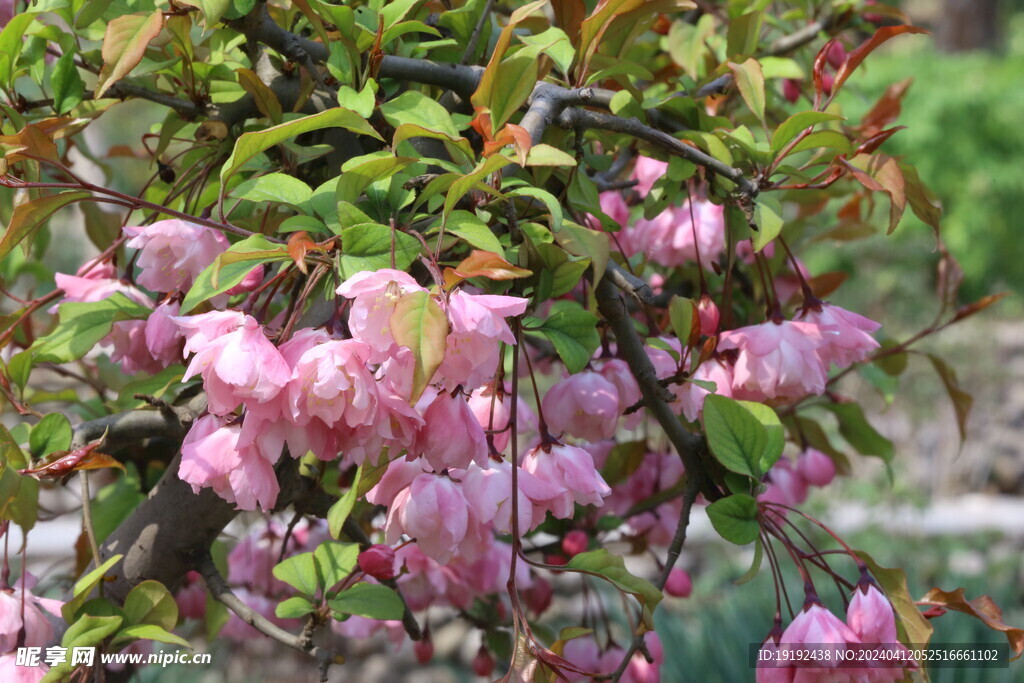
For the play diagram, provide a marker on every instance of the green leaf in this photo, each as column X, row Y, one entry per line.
column 295, row 607
column 19, row 368
column 798, row 123
column 89, row 630
column 681, row 314
column 212, row 10
column 252, row 143
column 299, row 572
column 149, row 632
column 68, row 88
column 84, row 586
column 755, row 566
column 474, row 178
column 10, row 452
column 580, row 241
column 768, row 216
column 743, row 34
column 553, row 205
column 274, row 187
column 824, row 139
column 151, row 603
column 573, row 331
column 612, row 568
column 339, row 512
column 368, row 247
column 12, row 38
column 231, row 267
column 470, row 228
column 413, row 107
column 82, row 325
column 53, row 433
column 369, row 600
column 30, row 216
column 546, row 155
column 124, row 45
column 419, row 324
column 859, row 433
column 19, row 497
column 334, row 561
column 739, row 437
column 735, row 518
column 355, row 178
column 750, row 81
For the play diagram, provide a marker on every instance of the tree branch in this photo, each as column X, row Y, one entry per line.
column 222, row 593
column 571, row 118
column 656, row 397
column 134, row 426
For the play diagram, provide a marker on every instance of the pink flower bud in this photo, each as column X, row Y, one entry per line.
column 575, row 542
column 250, row 282
column 815, row 467
column 707, row 311
column 378, row 561
column 483, row 663
column 791, row 89
column 679, row 583
column 538, row 596
column 424, row 649
column 827, row 81
column 836, row 54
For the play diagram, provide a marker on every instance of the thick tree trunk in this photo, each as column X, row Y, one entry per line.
column 969, row 25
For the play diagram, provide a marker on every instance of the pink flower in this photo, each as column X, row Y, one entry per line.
column 173, row 252
column 452, row 436
column 489, row 494
column 378, row 561
column 618, row 373
column 679, row 583
column 847, row 335
column 480, row 403
column 585, row 405
column 816, row 626
column 777, row 360
column 639, row 670
column 211, row 456
column 646, row 172
column 815, row 467
column 130, row 352
column 691, row 395
column 201, row 330
column 163, row 337
column 38, row 629
column 330, row 381
column 708, row 313
column 12, row 672
column 668, row 238
column 871, row 617
column 785, row 484
column 240, row 365
column 570, row 472
column 191, row 596
column 252, row 280
column 95, row 285
column 375, row 295
column 474, row 342
column 434, row 512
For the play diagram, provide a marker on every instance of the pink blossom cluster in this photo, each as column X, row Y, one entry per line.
column 22, row 612
column 588, row 656
column 674, row 237
column 788, row 482
column 870, row 619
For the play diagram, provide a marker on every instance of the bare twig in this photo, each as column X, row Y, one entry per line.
column 474, row 40
column 134, row 426
column 222, row 593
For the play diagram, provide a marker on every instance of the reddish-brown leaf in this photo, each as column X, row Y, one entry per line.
column 854, row 59
column 569, row 14
column 487, row 264
column 886, row 109
column 66, row 462
column 979, row 305
column 874, row 142
column 299, row 244
column 983, row 608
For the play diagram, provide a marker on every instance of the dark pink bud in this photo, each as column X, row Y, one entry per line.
column 836, row 54
column 538, row 596
column 791, row 89
column 378, row 561
column 679, row 583
column 483, row 663
column 872, row 17
column 575, row 542
column 708, row 313
column 827, row 81
column 815, row 467
column 556, row 559
column 424, row 649
column 250, row 282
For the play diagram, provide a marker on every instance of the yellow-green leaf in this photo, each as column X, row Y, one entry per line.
column 419, row 324
column 124, row 44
